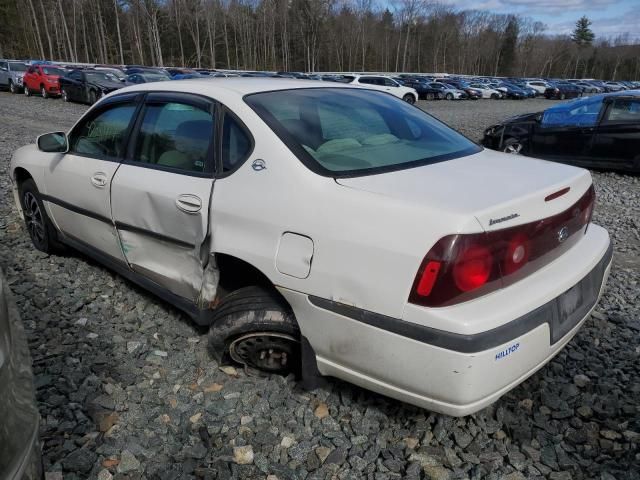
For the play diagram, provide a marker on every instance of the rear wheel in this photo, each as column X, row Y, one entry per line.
column 562, row 96
column 12, row 87
column 41, row 230
column 43, row 92
column 256, row 328
column 93, row 98
column 410, row 99
column 495, row 96
column 512, row 146
column 65, row 95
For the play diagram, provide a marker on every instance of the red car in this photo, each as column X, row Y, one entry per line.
column 44, row 79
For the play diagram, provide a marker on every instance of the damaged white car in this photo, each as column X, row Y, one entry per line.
column 327, row 229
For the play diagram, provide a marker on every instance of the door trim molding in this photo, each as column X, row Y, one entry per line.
column 75, row 208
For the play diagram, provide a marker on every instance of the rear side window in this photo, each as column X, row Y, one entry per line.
column 348, row 132
column 102, row 136
column 236, row 144
column 624, row 111
column 583, row 113
column 175, row 135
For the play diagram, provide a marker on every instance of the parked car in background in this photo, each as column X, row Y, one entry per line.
column 12, row 75
column 183, row 73
column 615, row 86
column 529, row 91
column 146, row 77
column 562, row 90
column 487, row 91
column 511, row 91
column 602, row 131
column 538, row 85
column 449, row 92
column 424, row 89
column 20, row 457
column 116, row 72
column 44, row 79
column 88, row 85
column 472, row 93
column 586, row 86
column 384, row 84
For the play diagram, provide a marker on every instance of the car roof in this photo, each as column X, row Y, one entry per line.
column 235, row 86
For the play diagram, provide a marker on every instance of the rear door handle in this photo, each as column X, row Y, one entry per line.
column 189, row 203
column 99, row 179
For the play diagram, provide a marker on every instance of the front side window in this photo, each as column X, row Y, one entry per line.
column 624, row 110
column 103, row 135
column 582, row 113
column 175, row 135
column 17, row 67
column 339, row 132
column 53, row 71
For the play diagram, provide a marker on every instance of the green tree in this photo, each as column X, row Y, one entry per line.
column 508, row 46
column 582, row 34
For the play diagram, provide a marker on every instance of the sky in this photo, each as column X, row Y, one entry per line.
column 610, row 17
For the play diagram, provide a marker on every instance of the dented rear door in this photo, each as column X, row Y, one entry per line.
column 161, row 194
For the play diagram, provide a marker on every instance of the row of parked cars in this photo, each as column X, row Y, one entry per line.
column 87, row 84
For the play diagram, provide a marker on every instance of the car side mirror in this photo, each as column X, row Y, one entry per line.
column 55, row 142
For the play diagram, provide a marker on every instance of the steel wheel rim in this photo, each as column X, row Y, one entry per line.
column 43, row 91
column 269, row 351
column 34, row 219
column 513, row 149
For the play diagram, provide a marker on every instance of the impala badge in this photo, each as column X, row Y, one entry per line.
column 563, row 234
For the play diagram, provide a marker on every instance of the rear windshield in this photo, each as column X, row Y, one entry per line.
column 347, row 132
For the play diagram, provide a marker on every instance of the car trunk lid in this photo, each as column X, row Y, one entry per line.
column 499, row 190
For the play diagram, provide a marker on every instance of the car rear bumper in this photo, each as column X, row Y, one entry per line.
column 453, row 372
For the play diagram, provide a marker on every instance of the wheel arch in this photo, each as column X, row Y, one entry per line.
column 20, row 174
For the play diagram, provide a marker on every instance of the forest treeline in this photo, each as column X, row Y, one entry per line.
column 305, row 35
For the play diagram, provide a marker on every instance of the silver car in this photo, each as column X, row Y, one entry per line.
column 11, row 75
column 19, row 447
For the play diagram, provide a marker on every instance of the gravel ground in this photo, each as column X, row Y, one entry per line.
column 126, row 388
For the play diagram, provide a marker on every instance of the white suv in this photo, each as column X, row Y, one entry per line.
column 328, row 229
column 384, row 84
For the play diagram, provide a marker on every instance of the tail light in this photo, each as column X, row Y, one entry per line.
column 465, row 266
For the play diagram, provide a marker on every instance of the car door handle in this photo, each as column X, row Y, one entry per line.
column 99, row 179
column 189, row 203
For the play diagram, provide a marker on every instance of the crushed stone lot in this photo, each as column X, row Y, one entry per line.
column 127, row 390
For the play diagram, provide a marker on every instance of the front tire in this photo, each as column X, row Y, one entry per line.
column 562, row 96
column 27, row 92
column 12, row 87
column 256, row 328
column 430, row 96
column 65, row 95
column 43, row 92
column 449, row 96
column 93, row 98
column 410, row 99
column 512, row 146
column 41, row 231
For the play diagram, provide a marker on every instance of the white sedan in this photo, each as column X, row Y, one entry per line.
column 487, row 91
column 327, row 229
column 384, row 84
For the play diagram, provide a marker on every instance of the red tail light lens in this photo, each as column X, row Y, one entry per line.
column 473, row 268
column 461, row 267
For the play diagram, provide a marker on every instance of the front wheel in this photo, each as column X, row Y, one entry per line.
column 410, row 99
column 12, row 87
column 41, row 230
column 93, row 98
column 495, row 96
column 256, row 328
column 449, row 96
column 562, row 96
column 65, row 95
column 43, row 92
column 512, row 146
column 430, row 96
column 27, row 92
